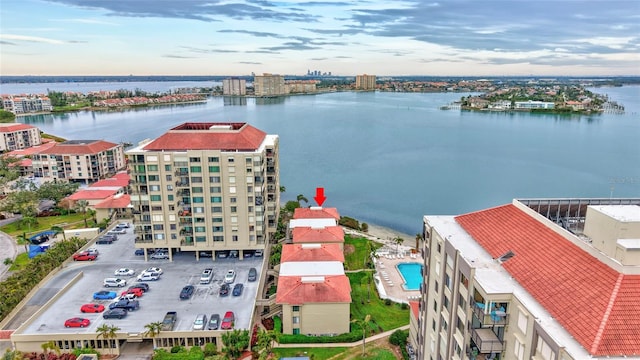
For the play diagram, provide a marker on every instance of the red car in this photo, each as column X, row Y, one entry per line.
column 228, row 320
column 92, row 308
column 77, row 322
column 84, row 256
column 135, row 291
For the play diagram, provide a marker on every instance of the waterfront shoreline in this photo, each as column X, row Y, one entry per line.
column 382, row 234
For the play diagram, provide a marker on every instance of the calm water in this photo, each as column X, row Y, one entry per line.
column 390, row 158
column 412, row 274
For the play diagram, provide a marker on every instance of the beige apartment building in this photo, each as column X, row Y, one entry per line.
column 22, row 104
column 541, row 279
column 365, row 82
column 18, row 136
column 269, row 85
column 234, row 87
column 206, row 187
column 84, row 161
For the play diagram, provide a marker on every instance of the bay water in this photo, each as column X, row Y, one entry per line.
column 390, row 158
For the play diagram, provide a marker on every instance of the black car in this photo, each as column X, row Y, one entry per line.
column 142, row 286
column 139, row 252
column 214, row 322
column 186, row 292
column 126, row 304
column 224, row 289
column 116, row 313
column 104, row 240
column 237, row 289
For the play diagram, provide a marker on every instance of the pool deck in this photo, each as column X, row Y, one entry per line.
column 389, row 280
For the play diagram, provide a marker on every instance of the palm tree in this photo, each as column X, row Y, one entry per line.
column 418, row 238
column 153, row 329
column 81, row 206
column 301, row 197
column 363, row 324
column 265, row 342
column 29, row 221
column 48, row 346
column 107, row 332
column 59, row 230
column 398, row 240
column 283, row 189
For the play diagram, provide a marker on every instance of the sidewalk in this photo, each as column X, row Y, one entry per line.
column 8, row 249
column 332, row 345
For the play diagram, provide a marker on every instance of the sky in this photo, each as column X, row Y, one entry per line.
column 381, row 37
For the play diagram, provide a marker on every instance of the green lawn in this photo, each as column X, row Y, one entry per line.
column 361, row 253
column 20, row 261
column 365, row 301
column 318, row 353
column 44, row 223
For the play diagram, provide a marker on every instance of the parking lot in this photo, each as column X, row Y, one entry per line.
column 162, row 296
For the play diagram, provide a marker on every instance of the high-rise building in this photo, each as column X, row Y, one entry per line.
column 234, row 87
column 269, row 85
column 365, row 82
column 18, row 136
column 206, row 187
column 544, row 279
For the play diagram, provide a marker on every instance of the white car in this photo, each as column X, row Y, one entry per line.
column 114, row 282
column 148, row 276
column 159, row 255
column 124, row 272
column 230, row 276
column 154, row 270
column 92, row 251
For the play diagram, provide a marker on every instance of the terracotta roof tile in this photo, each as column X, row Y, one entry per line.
column 5, row 128
column 334, row 289
column 121, row 181
column 324, row 252
column 113, row 202
column 88, row 194
column 316, row 213
column 415, row 308
column 329, row 234
column 32, row 150
column 80, row 147
column 197, row 136
column 597, row 305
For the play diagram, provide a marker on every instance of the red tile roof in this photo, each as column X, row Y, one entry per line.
column 5, row 128
column 112, row 202
column 316, row 213
column 415, row 309
column 120, row 181
column 329, row 234
column 199, row 136
column 88, row 194
column 324, row 252
column 32, row 150
column 77, row 147
column 597, row 305
column 334, row 289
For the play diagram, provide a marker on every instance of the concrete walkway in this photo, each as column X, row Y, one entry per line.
column 333, row 345
column 8, row 249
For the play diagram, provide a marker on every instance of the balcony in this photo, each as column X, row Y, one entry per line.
column 486, row 341
column 496, row 317
column 182, row 172
column 182, row 183
column 143, row 241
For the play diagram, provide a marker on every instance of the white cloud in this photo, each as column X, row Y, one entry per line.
column 26, row 38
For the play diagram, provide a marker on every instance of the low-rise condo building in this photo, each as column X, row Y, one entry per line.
column 18, row 136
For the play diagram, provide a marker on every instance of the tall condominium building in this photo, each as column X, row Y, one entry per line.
column 541, row 279
column 83, row 161
column 269, row 85
column 26, row 103
column 234, row 87
column 365, row 82
column 18, row 136
column 210, row 187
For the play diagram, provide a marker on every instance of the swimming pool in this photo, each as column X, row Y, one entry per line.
column 412, row 275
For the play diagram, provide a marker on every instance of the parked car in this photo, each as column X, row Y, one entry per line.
column 124, row 272
column 148, row 277
column 114, row 282
column 169, row 321
column 77, row 322
column 112, row 236
column 154, row 270
column 186, row 292
column 92, row 308
column 200, row 322
column 159, row 256
column 84, row 256
column 123, row 225
column 104, row 241
column 93, row 251
column 222, row 254
column 142, row 286
column 135, row 291
column 104, row 295
column 139, row 252
column 228, row 320
column 206, row 276
column 233, row 253
column 214, row 322
column 258, row 253
column 127, row 296
column 237, row 289
column 253, row 274
column 129, row 305
column 117, row 231
column 205, row 254
column 224, row 289
column 116, row 313
column 230, row 276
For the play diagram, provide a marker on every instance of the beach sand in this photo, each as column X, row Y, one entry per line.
column 381, row 234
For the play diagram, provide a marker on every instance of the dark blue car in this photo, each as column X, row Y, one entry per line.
column 237, row 289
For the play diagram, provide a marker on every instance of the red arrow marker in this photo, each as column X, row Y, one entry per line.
column 319, row 198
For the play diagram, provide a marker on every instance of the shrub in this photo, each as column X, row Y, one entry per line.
column 210, row 349
column 268, row 323
column 277, row 324
column 178, row 349
column 387, row 302
column 349, row 222
column 404, row 306
column 399, row 337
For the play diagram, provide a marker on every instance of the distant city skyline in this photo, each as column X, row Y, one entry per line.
column 346, row 38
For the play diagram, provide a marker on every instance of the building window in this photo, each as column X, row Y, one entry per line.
column 213, row 159
column 460, row 325
column 439, row 247
column 197, row 190
column 215, row 189
column 214, row 179
column 218, row 229
column 214, row 169
column 234, row 209
column 168, row 177
column 218, row 238
column 198, row 210
column 155, row 197
column 232, row 189
column 159, row 236
column 518, row 349
column 230, row 159
column 169, row 187
column 195, row 169
column 464, row 281
column 158, row 227
column 167, row 167
column 435, row 305
column 234, row 238
column 216, row 199
column 447, row 281
column 196, row 179
column 543, row 350
column 170, row 197
column 296, row 331
column 216, row 209
column 198, row 199
column 201, row 238
column 433, row 325
column 522, row 321
column 194, row 159
column 296, row 308
column 200, row 229
column 231, row 169
column 216, row 220
column 154, row 187
column 233, row 200
column 296, row 319
column 446, row 303
column 154, row 178
column 462, row 302
column 232, row 179
column 152, row 167
column 437, row 286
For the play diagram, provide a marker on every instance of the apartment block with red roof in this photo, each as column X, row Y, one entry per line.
column 313, row 290
column 543, row 279
column 16, row 136
column 206, row 187
column 108, row 197
column 83, row 161
column 322, row 235
column 316, row 212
